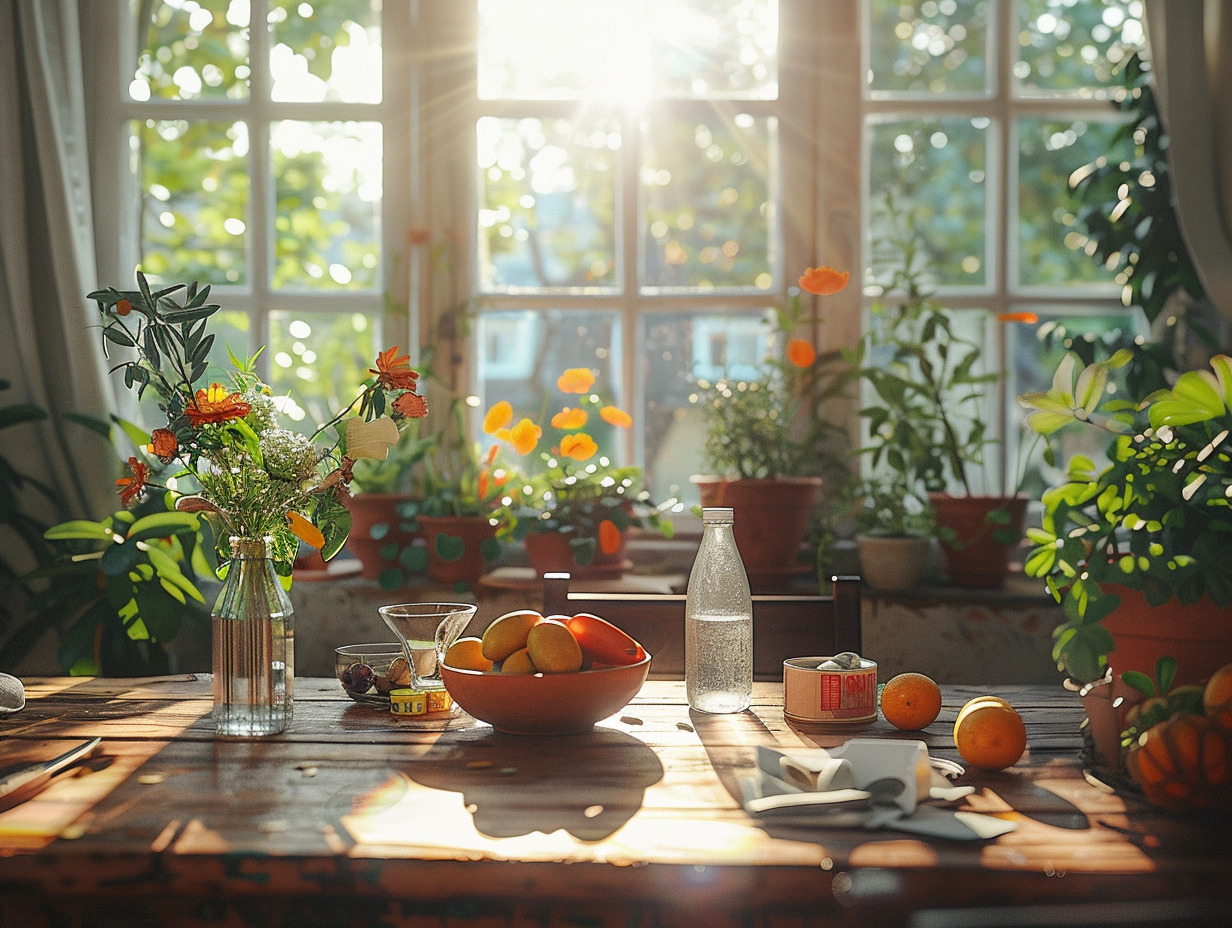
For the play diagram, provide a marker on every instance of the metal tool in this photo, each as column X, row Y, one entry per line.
column 27, row 781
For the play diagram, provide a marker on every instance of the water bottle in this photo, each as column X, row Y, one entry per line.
column 718, row 622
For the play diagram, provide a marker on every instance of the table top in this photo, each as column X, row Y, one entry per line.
column 638, row 816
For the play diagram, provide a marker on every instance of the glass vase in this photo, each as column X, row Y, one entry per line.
column 254, row 645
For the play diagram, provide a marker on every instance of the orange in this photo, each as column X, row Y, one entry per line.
column 989, row 733
column 1184, row 763
column 1217, row 697
column 911, row 701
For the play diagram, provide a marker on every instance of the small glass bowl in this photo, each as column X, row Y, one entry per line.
column 368, row 672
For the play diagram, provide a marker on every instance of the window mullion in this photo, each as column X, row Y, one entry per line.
column 632, row 345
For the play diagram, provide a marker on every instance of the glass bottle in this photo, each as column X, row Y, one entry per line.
column 254, row 645
column 718, row 622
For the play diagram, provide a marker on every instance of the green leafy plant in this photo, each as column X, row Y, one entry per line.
column 1156, row 519
column 26, row 530
column 775, row 425
column 890, row 507
column 1160, row 700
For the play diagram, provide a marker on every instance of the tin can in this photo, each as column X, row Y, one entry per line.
column 407, row 701
column 829, row 697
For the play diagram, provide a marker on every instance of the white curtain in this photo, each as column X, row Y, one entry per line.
column 1191, row 56
column 47, row 347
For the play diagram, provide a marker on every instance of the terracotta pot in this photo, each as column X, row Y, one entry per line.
column 550, row 552
column 473, row 532
column 893, row 563
column 975, row 558
column 377, row 511
column 771, row 517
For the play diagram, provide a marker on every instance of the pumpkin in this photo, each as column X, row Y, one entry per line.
column 1217, row 697
column 1184, row 763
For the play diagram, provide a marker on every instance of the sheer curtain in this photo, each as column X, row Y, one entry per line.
column 1191, row 54
column 47, row 264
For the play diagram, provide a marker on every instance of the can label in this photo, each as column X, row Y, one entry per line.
column 840, row 696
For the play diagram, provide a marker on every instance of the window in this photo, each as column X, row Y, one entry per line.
column 623, row 186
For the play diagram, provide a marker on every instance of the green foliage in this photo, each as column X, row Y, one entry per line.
column 1157, row 519
column 777, row 426
column 25, row 529
column 890, row 507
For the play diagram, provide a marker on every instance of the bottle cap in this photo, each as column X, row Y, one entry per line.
column 718, row 514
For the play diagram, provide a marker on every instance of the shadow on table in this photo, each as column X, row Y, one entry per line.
column 588, row 784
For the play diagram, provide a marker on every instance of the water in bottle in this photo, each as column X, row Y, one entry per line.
column 718, row 624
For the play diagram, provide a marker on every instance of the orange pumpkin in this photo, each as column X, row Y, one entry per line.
column 1217, row 697
column 1184, row 763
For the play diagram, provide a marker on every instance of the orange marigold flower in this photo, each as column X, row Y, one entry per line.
column 801, row 353
column 131, row 487
column 523, row 436
column 123, row 308
column 613, row 415
column 824, row 280
column 305, row 531
column 575, row 380
column 215, row 404
column 580, row 447
column 609, row 537
column 1028, row 318
column 163, row 444
column 410, row 405
column 570, row 418
column 393, row 371
column 498, row 417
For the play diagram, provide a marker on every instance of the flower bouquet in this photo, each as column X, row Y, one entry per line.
column 262, row 487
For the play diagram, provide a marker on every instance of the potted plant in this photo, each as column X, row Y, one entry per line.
column 1139, row 553
column 927, row 414
column 573, row 511
column 894, row 532
column 769, row 443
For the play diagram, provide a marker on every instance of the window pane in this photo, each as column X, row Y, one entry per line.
column 934, row 170
column 522, row 353
column 1067, row 47
column 627, row 51
column 327, row 179
column 193, row 178
column 548, row 204
column 320, row 360
column 680, row 349
column 707, row 209
column 928, row 46
column 327, row 50
column 192, row 51
column 1049, row 248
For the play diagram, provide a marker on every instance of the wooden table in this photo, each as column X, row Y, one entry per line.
column 353, row 818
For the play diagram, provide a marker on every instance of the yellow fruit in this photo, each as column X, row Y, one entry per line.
column 989, row 733
column 508, row 633
column 1217, row 696
column 1184, row 763
column 518, row 662
column 467, row 654
column 553, row 649
column 911, row 701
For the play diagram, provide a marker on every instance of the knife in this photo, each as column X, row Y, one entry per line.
column 27, row 781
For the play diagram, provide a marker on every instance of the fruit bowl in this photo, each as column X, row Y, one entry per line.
column 368, row 672
column 545, row 704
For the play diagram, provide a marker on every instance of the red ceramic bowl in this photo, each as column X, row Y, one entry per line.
column 545, row 704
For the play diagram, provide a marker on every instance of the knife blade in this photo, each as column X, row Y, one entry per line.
column 27, row 781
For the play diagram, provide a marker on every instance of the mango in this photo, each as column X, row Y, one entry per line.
column 508, row 633
column 552, row 647
column 519, row 662
column 467, row 654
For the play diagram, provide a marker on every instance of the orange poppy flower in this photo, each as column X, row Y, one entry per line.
column 410, row 405
column 215, row 405
column 824, row 280
column 305, row 531
column 609, row 537
column 163, row 444
column 580, row 447
column 523, row 436
column 801, row 353
column 1028, row 318
column 498, row 417
column 613, row 415
column 570, row 418
column 393, row 371
column 131, row 487
column 575, row 380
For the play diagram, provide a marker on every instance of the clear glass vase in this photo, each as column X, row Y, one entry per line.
column 254, row 645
